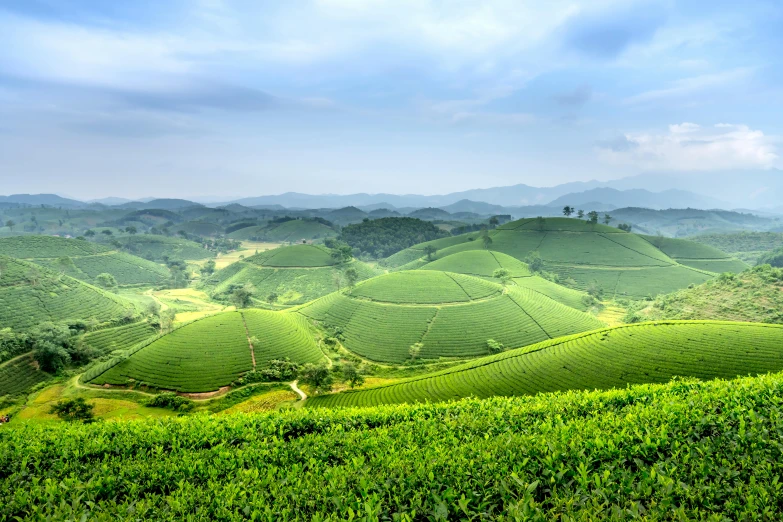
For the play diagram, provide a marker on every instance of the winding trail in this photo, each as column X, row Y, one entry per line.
column 294, row 387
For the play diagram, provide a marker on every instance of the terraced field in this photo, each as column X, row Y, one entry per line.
column 583, row 255
column 295, row 230
column 281, row 336
column 554, row 291
column 452, row 315
column 697, row 255
column 296, row 274
column 158, row 248
column 199, row 357
column 119, row 338
column 608, row 358
column 210, row 353
column 480, row 263
column 87, row 260
column 19, row 374
column 31, row 294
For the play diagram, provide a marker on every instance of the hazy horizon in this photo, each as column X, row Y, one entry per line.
column 229, row 98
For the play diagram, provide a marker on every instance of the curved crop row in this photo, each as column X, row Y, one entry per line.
column 281, row 336
column 119, row 338
column 19, row 374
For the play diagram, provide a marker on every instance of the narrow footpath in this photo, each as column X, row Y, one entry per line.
column 294, row 387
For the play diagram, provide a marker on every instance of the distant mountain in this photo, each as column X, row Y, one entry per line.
column 110, row 201
column 638, row 198
column 430, row 214
column 475, row 207
column 164, row 204
column 49, row 200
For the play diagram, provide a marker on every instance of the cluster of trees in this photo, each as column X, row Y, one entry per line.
column 320, row 376
column 774, row 258
column 379, row 238
column 341, row 251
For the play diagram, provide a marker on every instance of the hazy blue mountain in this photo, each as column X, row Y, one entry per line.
column 639, row 198
column 50, row 200
column 475, row 207
column 165, row 204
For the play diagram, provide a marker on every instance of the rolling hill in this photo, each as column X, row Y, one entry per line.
column 747, row 246
column 583, row 255
column 697, row 255
column 210, row 353
column 158, row 248
column 296, row 274
column 294, row 230
column 451, row 315
column 31, row 294
column 83, row 260
column 608, row 358
column 19, row 374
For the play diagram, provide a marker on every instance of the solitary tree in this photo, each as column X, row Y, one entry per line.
column 540, row 223
column 580, row 214
column 351, row 277
column 534, row 261
column 415, row 350
column 494, row 346
column 607, row 219
column 485, row 239
column 131, row 230
column 624, row 226
column 89, row 233
column 503, row 274
column 106, row 232
column 567, row 211
column 351, row 374
column 65, row 263
column 317, row 376
column 242, row 296
column 272, row 298
column 10, row 224
column 494, row 221
column 208, row 268
column 430, row 251
column 106, row 281
column 72, row 410
column 592, row 217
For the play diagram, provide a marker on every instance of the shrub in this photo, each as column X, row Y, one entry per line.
column 74, row 410
column 171, row 401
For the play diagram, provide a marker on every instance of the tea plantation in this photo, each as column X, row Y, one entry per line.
column 119, row 338
column 608, row 358
column 621, row 264
column 451, row 315
column 31, row 294
column 17, row 375
column 679, row 451
column 294, row 230
column 158, row 248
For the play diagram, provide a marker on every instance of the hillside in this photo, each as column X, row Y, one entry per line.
column 210, row 353
column 755, row 295
column 608, row 358
column 451, row 315
column 31, row 294
column 294, row 230
column 692, row 450
column 19, row 374
column 159, row 248
column 747, row 246
column 685, row 222
column 583, row 255
column 697, row 255
column 295, row 274
column 83, row 260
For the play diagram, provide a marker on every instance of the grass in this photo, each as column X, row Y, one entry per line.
column 607, row 358
column 30, row 294
column 454, row 317
column 19, row 374
column 678, row 451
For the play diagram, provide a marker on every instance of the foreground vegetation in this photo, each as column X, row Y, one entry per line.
column 683, row 451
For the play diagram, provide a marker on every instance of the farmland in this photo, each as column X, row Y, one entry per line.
column 118, row 338
column 451, row 315
column 747, row 246
column 608, row 358
column 159, row 248
column 294, row 230
column 17, row 375
column 31, row 294
column 682, row 450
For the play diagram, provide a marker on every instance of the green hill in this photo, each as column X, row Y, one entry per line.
column 119, row 338
column 755, row 295
column 31, row 294
column 747, row 246
column 697, row 255
column 210, row 353
column 608, row 358
column 296, row 274
column 19, row 374
column 451, row 315
column 158, row 248
column 83, row 260
column 295, row 231
column 678, row 451
column 583, row 255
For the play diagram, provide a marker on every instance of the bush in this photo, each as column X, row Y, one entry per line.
column 494, row 346
column 74, row 410
column 171, row 401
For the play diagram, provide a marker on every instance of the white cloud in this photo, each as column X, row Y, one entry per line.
column 688, row 146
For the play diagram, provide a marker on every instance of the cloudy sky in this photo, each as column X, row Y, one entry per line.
column 246, row 97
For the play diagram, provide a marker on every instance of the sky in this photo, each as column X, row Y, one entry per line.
column 235, row 98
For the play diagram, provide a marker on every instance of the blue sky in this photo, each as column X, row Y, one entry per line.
column 235, row 98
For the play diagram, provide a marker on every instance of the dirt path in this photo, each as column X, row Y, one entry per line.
column 249, row 342
column 163, row 306
column 299, row 392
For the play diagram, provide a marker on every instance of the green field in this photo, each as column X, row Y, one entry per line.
column 85, row 260
column 583, row 255
column 119, row 338
column 608, row 358
column 452, row 315
column 678, row 451
column 481, row 263
column 294, row 231
column 31, row 294
column 561, row 294
column 747, row 246
column 212, row 352
column 697, row 255
column 296, row 274
column 19, row 374
column 158, row 248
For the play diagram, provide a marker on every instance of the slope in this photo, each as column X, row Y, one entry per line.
column 697, row 255
column 608, row 358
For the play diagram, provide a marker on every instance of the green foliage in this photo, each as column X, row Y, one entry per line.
column 351, row 374
column 319, row 376
column 481, row 263
column 682, row 451
column 747, row 246
column 242, row 296
column 171, row 401
column 106, row 281
column 281, row 336
column 494, row 346
column 608, row 358
column 163, row 248
column 386, row 236
column 503, row 275
column 19, row 375
column 74, row 410
column 122, row 337
column 289, row 230
column 774, row 258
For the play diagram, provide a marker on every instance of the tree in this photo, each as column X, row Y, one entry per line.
column 52, row 346
column 607, row 219
column 567, row 211
column 351, row 277
column 540, row 223
column 503, row 274
column 73, row 410
column 10, row 224
column 351, row 374
column 131, row 230
column 65, row 263
column 272, row 298
column 106, row 281
column 208, row 268
column 415, row 350
column 494, row 346
column 485, row 239
column 153, row 308
column 592, row 217
column 580, row 214
column 624, row 226
column 89, row 233
column 242, row 296
column 106, row 232
column 317, row 376
column 534, row 261
column 494, row 221
column 337, row 277
column 430, row 251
